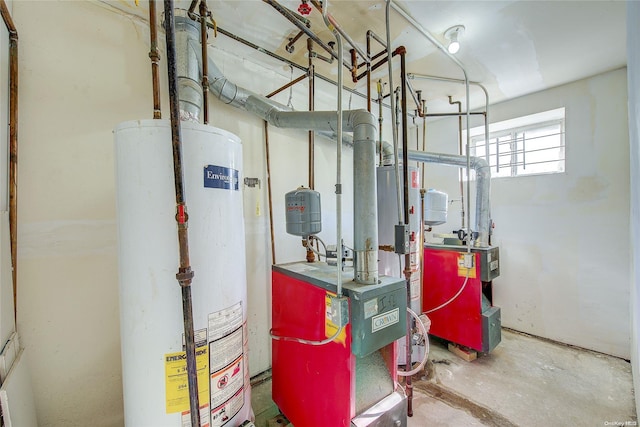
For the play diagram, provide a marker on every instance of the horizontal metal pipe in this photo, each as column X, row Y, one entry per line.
column 339, row 29
column 302, row 27
column 472, row 113
column 360, row 122
column 483, row 185
column 287, row 86
column 289, row 62
column 377, row 38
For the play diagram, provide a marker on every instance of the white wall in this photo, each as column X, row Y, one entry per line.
column 85, row 68
column 633, row 64
column 563, row 238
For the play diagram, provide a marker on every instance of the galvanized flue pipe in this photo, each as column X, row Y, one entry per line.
column 185, row 274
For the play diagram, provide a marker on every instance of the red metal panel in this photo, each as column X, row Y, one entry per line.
column 461, row 320
column 314, row 386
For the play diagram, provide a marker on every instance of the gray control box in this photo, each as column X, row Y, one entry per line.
column 377, row 313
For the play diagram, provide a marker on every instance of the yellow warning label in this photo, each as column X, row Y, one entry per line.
column 176, row 385
column 330, row 328
column 463, row 271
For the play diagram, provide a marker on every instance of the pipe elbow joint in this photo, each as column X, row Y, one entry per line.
column 362, row 116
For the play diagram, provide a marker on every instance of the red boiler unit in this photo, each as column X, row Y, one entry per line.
column 470, row 319
column 351, row 381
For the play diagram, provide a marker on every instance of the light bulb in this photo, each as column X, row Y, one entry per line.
column 454, row 47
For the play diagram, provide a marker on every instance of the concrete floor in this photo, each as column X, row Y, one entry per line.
column 525, row 381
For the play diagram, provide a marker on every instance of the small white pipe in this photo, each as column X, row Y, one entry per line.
column 394, row 124
column 440, row 46
column 332, row 28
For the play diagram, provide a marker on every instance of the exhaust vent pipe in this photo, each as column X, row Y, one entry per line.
column 360, row 122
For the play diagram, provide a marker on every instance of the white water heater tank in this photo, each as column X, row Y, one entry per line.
column 153, row 361
column 436, row 205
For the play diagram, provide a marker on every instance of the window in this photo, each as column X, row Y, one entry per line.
column 528, row 145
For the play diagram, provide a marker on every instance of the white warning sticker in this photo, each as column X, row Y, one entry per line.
column 223, row 322
column 227, row 392
column 225, row 350
column 204, row 417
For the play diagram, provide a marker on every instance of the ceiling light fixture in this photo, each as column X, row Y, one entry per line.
column 453, row 34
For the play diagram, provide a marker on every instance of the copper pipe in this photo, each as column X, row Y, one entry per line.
column 301, row 26
column 287, row 86
column 154, row 54
column 377, row 65
column 407, row 257
column 369, row 79
column 13, row 148
column 289, row 47
column 460, row 176
column 266, row 147
column 373, row 58
column 285, row 60
column 473, row 113
column 185, row 274
column 204, row 13
column 354, row 65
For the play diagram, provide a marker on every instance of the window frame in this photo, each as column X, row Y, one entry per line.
column 512, row 129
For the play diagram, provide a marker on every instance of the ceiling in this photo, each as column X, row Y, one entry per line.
column 511, row 47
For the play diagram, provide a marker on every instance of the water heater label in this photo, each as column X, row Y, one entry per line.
column 385, row 320
column 221, row 177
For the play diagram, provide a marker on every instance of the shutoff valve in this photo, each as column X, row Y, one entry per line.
column 304, row 8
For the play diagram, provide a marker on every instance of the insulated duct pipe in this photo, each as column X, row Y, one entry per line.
column 483, row 184
column 189, row 82
column 360, row 122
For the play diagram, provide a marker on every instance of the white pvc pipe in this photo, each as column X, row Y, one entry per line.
column 340, row 251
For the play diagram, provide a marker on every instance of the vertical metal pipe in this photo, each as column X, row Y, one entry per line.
column 310, row 255
column 311, row 108
column 13, row 144
column 380, row 119
column 185, row 274
column 154, row 54
column 424, row 141
column 407, row 256
column 204, row 13
column 354, row 65
column 266, row 147
column 369, row 79
column 394, row 126
column 339, row 152
column 13, row 148
column 460, row 173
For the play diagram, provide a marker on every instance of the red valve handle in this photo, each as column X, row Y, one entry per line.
column 304, row 9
